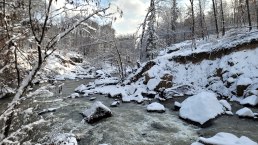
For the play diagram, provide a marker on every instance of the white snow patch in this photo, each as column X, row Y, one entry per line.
column 223, row 138
column 251, row 100
column 201, row 107
column 244, row 81
column 225, row 104
column 156, row 107
column 245, row 112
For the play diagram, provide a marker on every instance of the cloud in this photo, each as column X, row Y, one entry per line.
column 133, row 15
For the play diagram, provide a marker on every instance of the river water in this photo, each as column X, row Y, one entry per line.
column 130, row 124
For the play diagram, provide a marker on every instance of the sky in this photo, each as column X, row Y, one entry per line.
column 133, row 14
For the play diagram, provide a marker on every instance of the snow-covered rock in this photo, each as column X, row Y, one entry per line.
column 96, row 112
column 251, row 100
column 74, row 95
column 156, row 107
column 5, row 91
column 245, row 112
column 115, row 104
column 224, row 138
column 80, row 88
column 106, row 81
column 242, row 84
column 225, row 104
column 41, row 92
column 64, row 139
column 201, row 108
column 177, row 106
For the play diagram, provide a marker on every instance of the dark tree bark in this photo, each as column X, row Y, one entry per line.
column 256, row 8
column 222, row 18
column 215, row 17
column 193, row 24
column 173, row 21
column 248, row 15
column 201, row 19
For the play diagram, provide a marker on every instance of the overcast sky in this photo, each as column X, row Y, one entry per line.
column 134, row 12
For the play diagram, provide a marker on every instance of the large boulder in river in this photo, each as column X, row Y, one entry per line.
column 201, row 108
column 96, row 112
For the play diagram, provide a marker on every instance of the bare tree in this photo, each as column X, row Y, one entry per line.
column 49, row 46
column 215, row 17
column 248, row 15
column 222, row 18
column 193, row 24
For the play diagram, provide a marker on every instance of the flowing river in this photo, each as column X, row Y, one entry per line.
column 130, row 124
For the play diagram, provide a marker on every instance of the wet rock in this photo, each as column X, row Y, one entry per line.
column 96, row 112
column 156, row 107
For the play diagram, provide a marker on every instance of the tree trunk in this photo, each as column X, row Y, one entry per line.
column 222, row 18
column 215, row 17
column 248, row 15
column 173, row 21
column 201, row 19
column 17, row 68
column 256, row 7
column 193, row 25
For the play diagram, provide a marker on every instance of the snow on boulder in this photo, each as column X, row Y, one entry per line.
column 80, row 88
column 225, row 104
column 224, row 138
column 41, row 92
column 74, row 95
column 96, row 112
column 115, row 104
column 156, row 107
column 242, row 84
column 245, row 112
column 251, row 100
column 106, row 81
column 153, row 83
column 201, row 108
column 64, row 139
column 177, row 106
